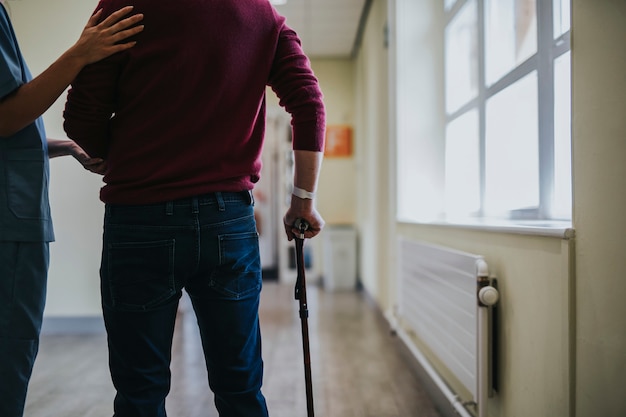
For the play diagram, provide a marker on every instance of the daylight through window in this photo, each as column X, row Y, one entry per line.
column 507, row 102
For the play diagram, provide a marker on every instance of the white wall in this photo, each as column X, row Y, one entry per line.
column 45, row 29
column 77, row 212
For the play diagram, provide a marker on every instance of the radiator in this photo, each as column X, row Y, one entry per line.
column 445, row 298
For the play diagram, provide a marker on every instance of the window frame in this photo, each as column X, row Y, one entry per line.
column 543, row 61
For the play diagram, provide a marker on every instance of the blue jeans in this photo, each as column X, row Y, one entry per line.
column 207, row 245
column 23, row 277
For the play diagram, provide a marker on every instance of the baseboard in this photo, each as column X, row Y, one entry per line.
column 72, row 325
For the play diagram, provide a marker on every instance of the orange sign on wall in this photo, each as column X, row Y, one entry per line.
column 338, row 141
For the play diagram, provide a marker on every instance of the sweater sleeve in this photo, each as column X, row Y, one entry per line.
column 297, row 88
column 90, row 106
column 91, row 100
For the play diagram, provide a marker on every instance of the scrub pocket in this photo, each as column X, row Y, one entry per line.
column 27, row 184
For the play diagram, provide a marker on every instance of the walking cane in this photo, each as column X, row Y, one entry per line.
column 300, row 294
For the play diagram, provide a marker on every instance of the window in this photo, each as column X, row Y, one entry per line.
column 462, row 165
column 562, row 17
column 561, row 198
column 510, row 35
column 511, row 149
column 448, row 4
column 461, row 52
column 507, row 104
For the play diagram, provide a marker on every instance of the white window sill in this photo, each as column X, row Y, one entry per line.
column 548, row 228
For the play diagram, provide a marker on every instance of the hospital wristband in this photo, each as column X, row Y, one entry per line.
column 300, row 193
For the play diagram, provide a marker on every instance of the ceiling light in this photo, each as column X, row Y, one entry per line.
column 278, row 2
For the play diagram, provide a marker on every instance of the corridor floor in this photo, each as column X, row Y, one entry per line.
column 357, row 369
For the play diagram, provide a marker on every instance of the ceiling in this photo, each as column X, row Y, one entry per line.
column 327, row 28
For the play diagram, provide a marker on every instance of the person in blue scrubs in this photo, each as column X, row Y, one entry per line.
column 25, row 223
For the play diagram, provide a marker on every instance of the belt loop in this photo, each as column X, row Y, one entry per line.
column 194, row 205
column 251, row 197
column 169, row 208
column 220, row 201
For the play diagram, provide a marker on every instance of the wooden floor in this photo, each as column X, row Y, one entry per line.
column 356, row 365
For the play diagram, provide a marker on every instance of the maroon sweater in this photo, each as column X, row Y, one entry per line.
column 183, row 112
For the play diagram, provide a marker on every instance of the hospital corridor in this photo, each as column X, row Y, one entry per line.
column 473, row 258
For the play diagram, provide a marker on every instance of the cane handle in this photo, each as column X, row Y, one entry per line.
column 302, row 226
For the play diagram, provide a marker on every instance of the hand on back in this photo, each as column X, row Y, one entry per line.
column 100, row 40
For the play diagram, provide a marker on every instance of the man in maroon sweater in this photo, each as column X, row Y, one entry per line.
column 180, row 121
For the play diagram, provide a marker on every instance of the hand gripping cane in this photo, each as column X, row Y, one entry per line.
column 300, row 294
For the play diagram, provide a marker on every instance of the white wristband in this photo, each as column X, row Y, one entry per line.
column 300, row 193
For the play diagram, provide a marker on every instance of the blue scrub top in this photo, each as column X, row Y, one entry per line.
column 24, row 168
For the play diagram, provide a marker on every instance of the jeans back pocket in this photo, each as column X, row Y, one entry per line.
column 239, row 270
column 139, row 275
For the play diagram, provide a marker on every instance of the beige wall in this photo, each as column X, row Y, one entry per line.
column 337, row 194
column 45, row 29
column 562, row 336
column 534, row 273
column 336, row 200
column 549, row 333
column 599, row 147
column 534, row 335
column 374, row 219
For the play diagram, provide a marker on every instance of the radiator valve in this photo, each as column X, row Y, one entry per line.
column 488, row 295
